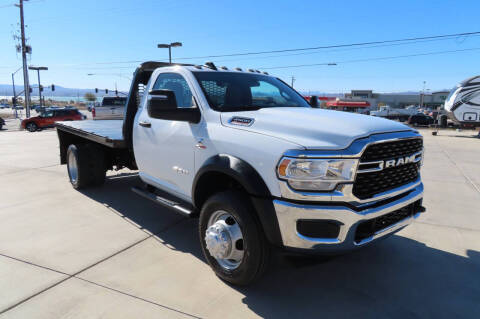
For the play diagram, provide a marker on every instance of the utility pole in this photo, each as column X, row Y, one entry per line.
column 293, row 80
column 26, row 84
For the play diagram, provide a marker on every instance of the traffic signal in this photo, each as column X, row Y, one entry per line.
column 53, row 87
column 96, row 90
column 30, row 89
column 116, row 92
column 14, row 100
column 41, row 88
column 106, row 91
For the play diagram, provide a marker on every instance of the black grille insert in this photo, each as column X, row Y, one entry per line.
column 368, row 228
column 388, row 150
column 368, row 185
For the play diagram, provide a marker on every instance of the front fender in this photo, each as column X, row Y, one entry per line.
column 245, row 175
column 237, row 169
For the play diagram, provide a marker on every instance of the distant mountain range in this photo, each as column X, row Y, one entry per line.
column 7, row 90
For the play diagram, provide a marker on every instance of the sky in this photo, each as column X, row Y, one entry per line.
column 76, row 38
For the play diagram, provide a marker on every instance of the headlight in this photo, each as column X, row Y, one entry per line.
column 316, row 174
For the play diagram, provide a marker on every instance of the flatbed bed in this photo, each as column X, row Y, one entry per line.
column 105, row 132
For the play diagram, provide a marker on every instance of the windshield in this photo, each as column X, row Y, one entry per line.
column 229, row 91
column 452, row 92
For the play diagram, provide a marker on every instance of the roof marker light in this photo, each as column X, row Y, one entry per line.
column 211, row 65
column 223, row 68
column 238, row 69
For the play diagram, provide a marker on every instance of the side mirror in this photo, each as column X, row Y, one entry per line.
column 160, row 100
column 314, row 101
column 162, row 104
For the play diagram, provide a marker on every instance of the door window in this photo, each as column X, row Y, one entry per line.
column 177, row 84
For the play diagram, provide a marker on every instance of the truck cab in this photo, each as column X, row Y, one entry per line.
column 246, row 154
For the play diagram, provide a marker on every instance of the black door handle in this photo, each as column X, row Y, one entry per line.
column 145, row 124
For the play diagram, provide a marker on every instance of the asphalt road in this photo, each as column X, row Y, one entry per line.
column 106, row 253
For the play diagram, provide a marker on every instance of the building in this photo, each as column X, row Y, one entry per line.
column 348, row 106
column 398, row 100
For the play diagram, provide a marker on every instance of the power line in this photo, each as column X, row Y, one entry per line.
column 335, row 50
column 336, row 46
column 372, row 44
column 370, row 59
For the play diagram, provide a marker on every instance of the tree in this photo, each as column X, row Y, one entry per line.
column 90, row 97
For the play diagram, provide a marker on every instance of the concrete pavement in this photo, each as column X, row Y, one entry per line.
column 106, row 253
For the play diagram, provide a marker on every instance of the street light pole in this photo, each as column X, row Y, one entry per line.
column 169, row 46
column 38, row 69
column 423, row 95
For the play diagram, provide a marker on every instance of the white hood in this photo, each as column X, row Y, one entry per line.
column 313, row 128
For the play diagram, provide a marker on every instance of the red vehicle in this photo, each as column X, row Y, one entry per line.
column 49, row 117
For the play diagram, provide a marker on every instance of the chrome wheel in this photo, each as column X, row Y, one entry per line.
column 224, row 240
column 72, row 167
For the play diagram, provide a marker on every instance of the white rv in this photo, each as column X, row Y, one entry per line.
column 463, row 103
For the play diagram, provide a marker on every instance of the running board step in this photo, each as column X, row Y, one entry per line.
column 164, row 201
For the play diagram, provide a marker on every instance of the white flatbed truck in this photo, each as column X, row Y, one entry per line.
column 258, row 166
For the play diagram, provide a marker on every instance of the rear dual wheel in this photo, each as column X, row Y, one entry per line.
column 86, row 165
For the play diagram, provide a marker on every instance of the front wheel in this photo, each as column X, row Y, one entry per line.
column 31, row 127
column 232, row 238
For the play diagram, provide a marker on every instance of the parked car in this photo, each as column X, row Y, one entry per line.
column 259, row 167
column 420, row 119
column 111, row 108
column 4, row 106
column 49, row 117
column 2, row 123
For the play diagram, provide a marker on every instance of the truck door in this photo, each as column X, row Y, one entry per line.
column 164, row 149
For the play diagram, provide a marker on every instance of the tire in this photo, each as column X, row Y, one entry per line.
column 256, row 250
column 31, row 127
column 86, row 165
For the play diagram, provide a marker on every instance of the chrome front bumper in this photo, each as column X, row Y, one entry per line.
column 289, row 213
